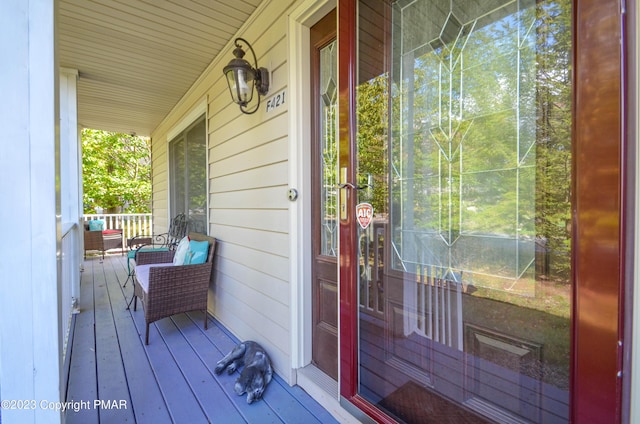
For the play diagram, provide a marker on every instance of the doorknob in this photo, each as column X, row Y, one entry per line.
column 353, row 186
column 369, row 184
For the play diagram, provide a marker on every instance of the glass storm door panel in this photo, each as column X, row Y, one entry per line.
column 464, row 121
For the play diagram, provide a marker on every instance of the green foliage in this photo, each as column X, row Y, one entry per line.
column 553, row 147
column 480, row 136
column 116, row 172
column 474, row 140
column 372, row 140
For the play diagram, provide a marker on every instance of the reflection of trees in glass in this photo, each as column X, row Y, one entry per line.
column 553, row 137
column 197, row 175
column 178, row 184
column 371, row 111
column 188, row 162
column 481, row 146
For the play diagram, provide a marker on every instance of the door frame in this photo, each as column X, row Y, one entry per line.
column 300, row 20
column 598, row 256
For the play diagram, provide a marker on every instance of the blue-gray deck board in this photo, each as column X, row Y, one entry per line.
column 171, row 379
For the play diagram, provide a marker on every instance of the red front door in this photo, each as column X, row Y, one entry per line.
column 486, row 287
column 324, row 155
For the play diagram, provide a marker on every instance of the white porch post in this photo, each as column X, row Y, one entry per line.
column 70, row 178
column 30, row 359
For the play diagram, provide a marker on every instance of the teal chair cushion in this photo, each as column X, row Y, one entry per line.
column 197, row 252
column 96, row 225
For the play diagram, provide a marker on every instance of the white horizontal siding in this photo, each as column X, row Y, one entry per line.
column 266, row 154
column 259, row 326
column 249, row 177
column 275, row 311
column 264, row 276
column 160, row 184
column 228, row 141
column 248, row 169
column 260, row 198
column 263, row 262
column 265, row 241
column 269, row 175
column 262, row 220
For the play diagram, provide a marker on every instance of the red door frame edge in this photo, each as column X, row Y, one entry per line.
column 598, row 249
column 347, row 273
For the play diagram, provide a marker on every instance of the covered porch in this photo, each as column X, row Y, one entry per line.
column 155, row 68
column 114, row 377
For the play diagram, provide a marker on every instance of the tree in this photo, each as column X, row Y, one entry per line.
column 116, row 172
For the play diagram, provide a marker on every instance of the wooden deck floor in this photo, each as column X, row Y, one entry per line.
column 169, row 381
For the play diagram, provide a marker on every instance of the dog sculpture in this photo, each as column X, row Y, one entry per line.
column 257, row 371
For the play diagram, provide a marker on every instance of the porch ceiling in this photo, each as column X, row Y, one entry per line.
column 137, row 58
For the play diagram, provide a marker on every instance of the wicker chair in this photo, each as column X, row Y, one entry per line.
column 102, row 240
column 166, row 241
column 172, row 289
column 177, row 230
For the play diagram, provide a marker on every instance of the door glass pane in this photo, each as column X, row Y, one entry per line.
column 464, row 131
column 329, row 150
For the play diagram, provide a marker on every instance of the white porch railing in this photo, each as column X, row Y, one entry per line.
column 70, row 267
column 132, row 224
column 71, row 259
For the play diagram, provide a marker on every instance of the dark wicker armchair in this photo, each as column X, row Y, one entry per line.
column 102, row 240
column 166, row 241
column 178, row 228
column 169, row 289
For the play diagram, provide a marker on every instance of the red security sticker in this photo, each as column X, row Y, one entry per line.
column 364, row 214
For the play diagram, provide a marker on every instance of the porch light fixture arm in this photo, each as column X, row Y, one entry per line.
column 242, row 77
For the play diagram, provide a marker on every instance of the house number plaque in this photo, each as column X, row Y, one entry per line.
column 276, row 101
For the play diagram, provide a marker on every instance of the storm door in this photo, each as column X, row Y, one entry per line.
column 463, row 185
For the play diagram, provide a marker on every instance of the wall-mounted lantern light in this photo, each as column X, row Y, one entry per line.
column 242, row 78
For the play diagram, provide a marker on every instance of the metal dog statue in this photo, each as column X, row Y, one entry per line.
column 257, row 371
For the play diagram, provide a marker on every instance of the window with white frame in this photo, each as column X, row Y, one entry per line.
column 188, row 175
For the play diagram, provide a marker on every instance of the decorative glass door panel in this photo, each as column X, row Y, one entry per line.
column 329, row 150
column 464, row 146
column 324, row 163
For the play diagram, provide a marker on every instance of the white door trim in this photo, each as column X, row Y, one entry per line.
column 300, row 20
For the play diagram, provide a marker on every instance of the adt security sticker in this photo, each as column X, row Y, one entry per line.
column 364, row 214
